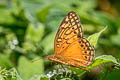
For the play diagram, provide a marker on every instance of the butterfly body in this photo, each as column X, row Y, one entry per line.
column 70, row 47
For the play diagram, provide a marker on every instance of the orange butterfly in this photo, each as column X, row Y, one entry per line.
column 70, row 47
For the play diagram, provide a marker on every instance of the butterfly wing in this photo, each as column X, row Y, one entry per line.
column 69, row 31
column 70, row 44
column 79, row 53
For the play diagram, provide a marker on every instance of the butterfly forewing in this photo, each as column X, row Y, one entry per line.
column 69, row 46
column 69, row 31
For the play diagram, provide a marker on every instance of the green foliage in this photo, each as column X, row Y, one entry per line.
column 43, row 77
column 48, row 42
column 115, row 39
column 94, row 38
column 27, row 69
column 43, row 12
column 5, row 62
column 27, row 32
column 10, row 74
column 34, row 32
column 103, row 59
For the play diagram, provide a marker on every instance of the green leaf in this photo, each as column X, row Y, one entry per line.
column 34, row 32
column 94, row 38
column 113, row 75
column 31, row 6
column 5, row 62
column 103, row 59
column 16, row 74
column 40, row 77
column 5, row 16
column 10, row 74
column 98, row 61
column 44, row 77
column 43, row 12
column 27, row 69
column 66, row 79
column 28, row 46
column 48, row 42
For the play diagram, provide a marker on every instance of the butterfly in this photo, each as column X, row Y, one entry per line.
column 70, row 47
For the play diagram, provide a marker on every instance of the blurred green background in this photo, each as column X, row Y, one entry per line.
column 27, row 32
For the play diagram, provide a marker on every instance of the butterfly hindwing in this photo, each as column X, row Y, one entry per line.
column 79, row 53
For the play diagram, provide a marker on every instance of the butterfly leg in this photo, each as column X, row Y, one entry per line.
column 57, row 70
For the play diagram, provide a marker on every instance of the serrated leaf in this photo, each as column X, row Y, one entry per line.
column 27, row 69
column 103, row 59
column 94, row 38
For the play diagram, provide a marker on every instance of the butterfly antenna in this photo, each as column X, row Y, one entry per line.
column 41, row 49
